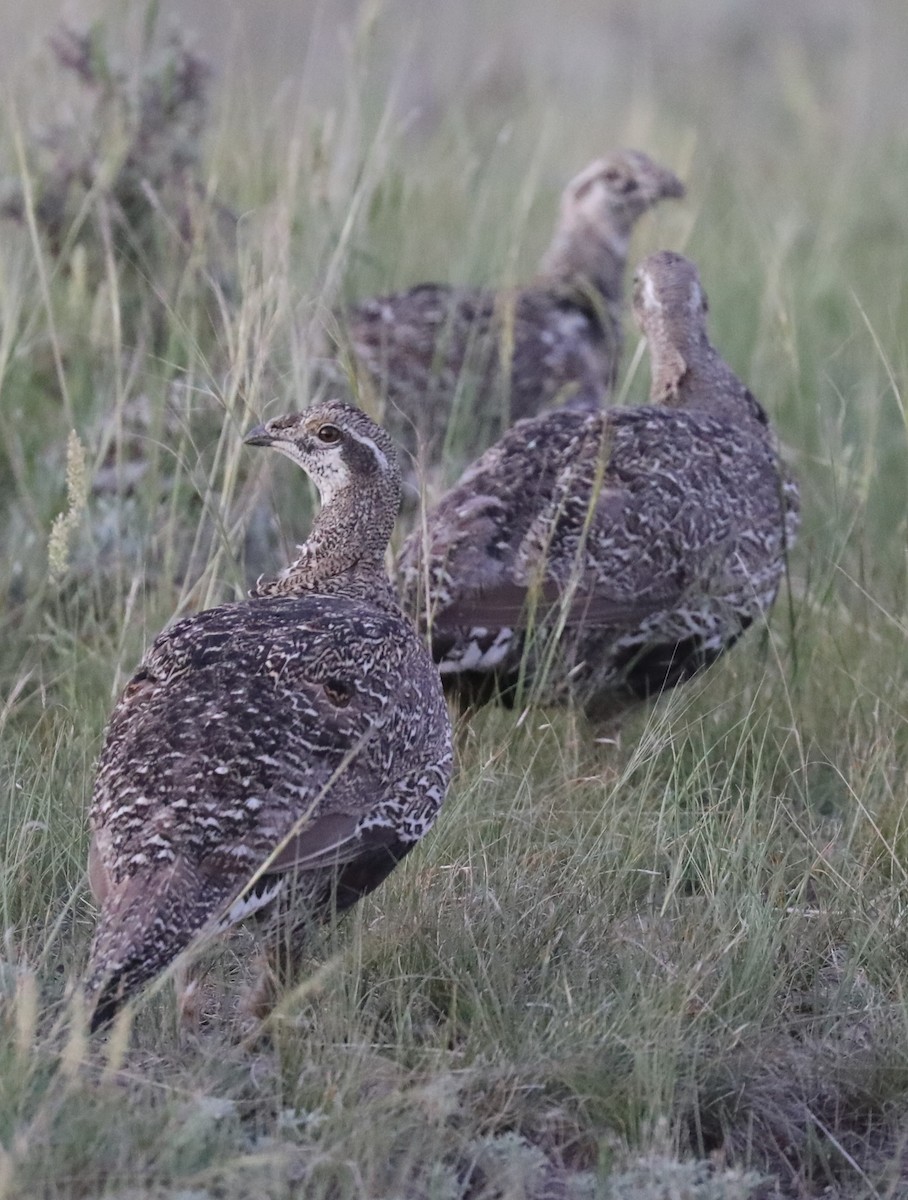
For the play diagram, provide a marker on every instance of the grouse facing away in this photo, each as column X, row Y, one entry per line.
column 608, row 556
column 466, row 361
column 297, row 740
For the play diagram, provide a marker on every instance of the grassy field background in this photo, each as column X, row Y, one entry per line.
column 662, row 960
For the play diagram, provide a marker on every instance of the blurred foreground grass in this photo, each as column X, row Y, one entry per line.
column 665, row 960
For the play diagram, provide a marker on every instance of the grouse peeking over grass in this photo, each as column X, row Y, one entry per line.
column 608, row 556
column 462, row 362
column 295, row 744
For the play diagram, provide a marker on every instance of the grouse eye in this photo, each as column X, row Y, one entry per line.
column 329, row 434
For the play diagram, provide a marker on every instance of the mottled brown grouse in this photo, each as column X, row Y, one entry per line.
column 298, row 739
column 608, row 556
column 462, row 362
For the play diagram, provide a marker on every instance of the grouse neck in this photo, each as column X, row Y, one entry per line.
column 689, row 374
column 345, row 550
column 582, row 256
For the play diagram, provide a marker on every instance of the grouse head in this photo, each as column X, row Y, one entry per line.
column 667, row 287
column 612, row 193
column 339, row 447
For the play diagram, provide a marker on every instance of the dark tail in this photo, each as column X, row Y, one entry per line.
column 145, row 923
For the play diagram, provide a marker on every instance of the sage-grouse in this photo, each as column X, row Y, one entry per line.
column 298, row 739
column 465, row 361
column 608, row 556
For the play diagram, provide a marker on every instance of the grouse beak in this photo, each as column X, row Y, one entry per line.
column 669, row 186
column 259, row 436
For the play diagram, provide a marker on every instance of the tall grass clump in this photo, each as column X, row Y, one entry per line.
column 658, row 959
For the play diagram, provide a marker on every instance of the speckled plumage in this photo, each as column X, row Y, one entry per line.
column 301, row 734
column 467, row 362
column 608, row 556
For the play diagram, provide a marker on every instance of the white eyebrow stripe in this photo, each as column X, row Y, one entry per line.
column 367, row 441
column 650, row 297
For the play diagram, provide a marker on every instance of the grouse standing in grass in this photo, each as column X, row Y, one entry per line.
column 295, row 744
column 608, row 556
column 463, row 363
